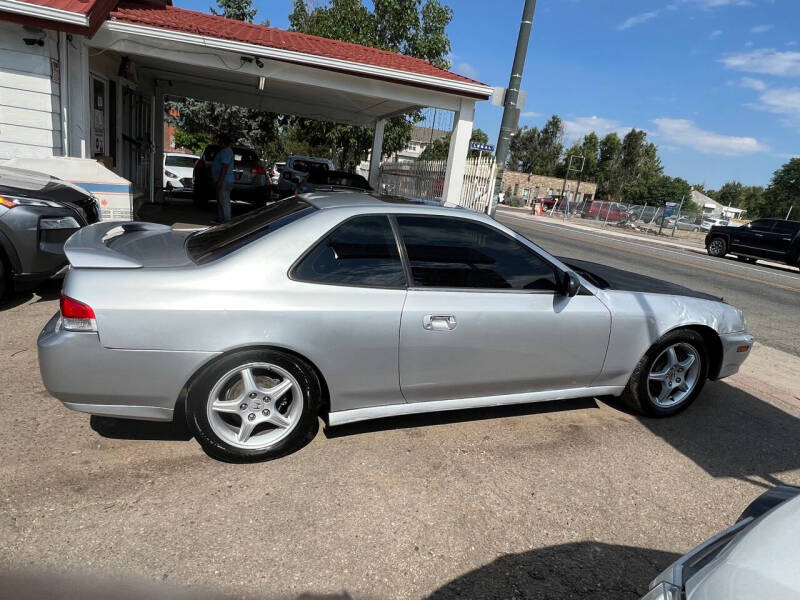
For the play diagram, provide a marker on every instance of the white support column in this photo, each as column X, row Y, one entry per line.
column 375, row 157
column 77, row 96
column 457, row 157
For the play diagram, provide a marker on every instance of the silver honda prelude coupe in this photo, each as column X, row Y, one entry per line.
column 356, row 307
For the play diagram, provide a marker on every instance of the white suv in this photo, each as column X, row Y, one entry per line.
column 296, row 170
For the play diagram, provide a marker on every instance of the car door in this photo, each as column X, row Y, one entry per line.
column 782, row 236
column 754, row 239
column 352, row 286
column 482, row 317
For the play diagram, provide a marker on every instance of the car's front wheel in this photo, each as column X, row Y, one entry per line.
column 669, row 376
column 254, row 405
column 717, row 247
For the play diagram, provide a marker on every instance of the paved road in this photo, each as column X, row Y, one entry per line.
column 769, row 296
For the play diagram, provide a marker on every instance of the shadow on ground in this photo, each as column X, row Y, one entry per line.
column 132, row 429
column 180, row 210
column 731, row 433
column 586, row 570
column 47, row 290
column 457, row 416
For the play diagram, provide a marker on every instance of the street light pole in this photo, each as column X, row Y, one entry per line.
column 510, row 111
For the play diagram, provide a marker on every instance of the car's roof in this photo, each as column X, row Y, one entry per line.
column 363, row 199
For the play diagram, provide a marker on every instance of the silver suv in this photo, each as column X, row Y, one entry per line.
column 297, row 170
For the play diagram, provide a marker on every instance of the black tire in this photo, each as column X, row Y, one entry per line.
column 200, row 197
column 636, row 394
column 5, row 277
column 717, row 246
column 302, row 431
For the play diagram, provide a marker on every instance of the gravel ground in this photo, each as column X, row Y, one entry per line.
column 575, row 499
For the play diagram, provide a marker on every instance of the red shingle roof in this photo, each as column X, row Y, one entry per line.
column 189, row 21
column 76, row 6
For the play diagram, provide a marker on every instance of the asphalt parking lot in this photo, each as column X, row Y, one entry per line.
column 576, row 499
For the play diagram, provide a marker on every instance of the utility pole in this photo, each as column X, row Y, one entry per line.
column 510, row 111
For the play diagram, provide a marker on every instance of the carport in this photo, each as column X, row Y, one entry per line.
column 144, row 52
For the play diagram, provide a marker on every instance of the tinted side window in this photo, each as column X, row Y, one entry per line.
column 786, row 227
column 457, row 253
column 362, row 252
column 761, row 225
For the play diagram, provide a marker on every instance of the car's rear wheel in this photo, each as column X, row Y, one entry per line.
column 670, row 375
column 254, row 405
column 717, row 247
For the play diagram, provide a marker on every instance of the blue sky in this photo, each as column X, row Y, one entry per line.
column 716, row 83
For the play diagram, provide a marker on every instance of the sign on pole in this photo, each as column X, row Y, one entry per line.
column 479, row 146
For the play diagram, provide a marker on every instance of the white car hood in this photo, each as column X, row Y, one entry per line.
column 762, row 562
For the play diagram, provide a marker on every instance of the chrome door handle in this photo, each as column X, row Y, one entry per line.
column 439, row 322
column 758, row 234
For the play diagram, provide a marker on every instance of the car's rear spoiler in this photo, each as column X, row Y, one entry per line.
column 88, row 247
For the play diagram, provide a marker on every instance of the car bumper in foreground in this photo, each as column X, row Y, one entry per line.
column 136, row 384
column 736, row 348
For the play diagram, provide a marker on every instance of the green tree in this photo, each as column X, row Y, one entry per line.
column 538, row 151
column 195, row 142
column 609, row 172
column 783, row 192
column 409, row 27
column 241, row 10
column 640, row 168
column 440, row 148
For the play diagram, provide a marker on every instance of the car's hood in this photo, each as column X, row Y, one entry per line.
column 181, row 172
column 762, row 562
column 32, row 184
column 610, row 278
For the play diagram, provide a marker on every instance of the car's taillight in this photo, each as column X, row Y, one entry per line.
column 200, row 164
column 259, row 170
column 76, row 316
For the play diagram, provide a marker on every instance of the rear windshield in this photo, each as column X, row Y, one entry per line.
column 239, row 154
column 180, row 161
column 215, row 242
column 304, row 166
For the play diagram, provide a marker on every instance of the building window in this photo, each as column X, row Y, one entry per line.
column 516, row 189
column 526, row 194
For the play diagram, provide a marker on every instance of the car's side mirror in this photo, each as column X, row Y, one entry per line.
column 570, row 284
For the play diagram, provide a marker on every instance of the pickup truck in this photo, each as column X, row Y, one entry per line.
column 769, row 239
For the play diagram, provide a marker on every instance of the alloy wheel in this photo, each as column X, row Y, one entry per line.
column 255, row 406
column 674, row 375
column 717, row 247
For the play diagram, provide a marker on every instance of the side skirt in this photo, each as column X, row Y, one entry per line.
column 393, row 410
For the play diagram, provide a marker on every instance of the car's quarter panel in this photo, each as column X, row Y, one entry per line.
column 246, row 299
column 144, row 384
column 502, row 343
column 640, row 319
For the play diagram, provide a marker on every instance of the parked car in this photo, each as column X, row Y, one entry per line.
column 708, row 222
column 685, row 223
column 250, row 181
column 179, row 171
column 611, row 212
column 275, row 173
column 296, row 170
column 362, row 307
column 322, row 180
column 754, row 558
column 37, row 215
column 771, row 239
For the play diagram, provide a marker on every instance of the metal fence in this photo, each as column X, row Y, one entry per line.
column 425, row 179
column 641, row 218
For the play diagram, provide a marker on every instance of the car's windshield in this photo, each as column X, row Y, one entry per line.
column 213, row 243
column 180, row 160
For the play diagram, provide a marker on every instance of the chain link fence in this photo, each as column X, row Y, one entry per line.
column 670, row 221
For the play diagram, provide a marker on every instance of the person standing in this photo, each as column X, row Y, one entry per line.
column 222, row 174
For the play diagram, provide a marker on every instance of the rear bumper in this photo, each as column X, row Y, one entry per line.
column 736, row 348
column 133, row 384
